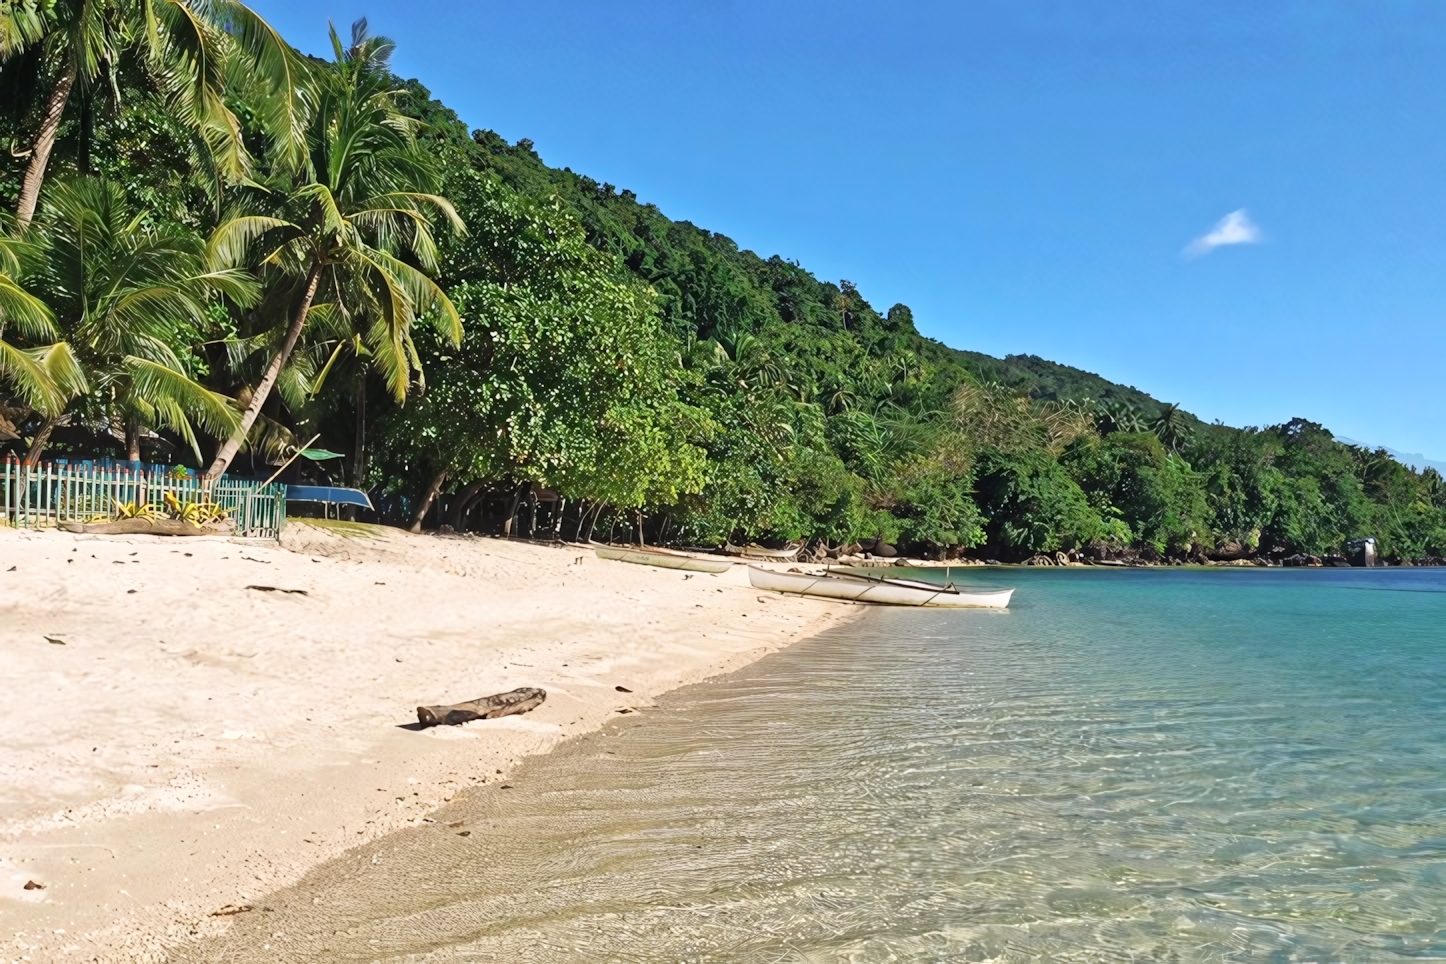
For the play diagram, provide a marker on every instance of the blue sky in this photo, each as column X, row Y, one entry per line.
column 1027, row 176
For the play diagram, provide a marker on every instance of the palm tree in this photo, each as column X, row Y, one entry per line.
column 844, row 301
column 992, row 415
column 841, row 396
column 753, row 367
column 1066, row 422
column 1119, row 416
column 342, row 229
column 131, row 298
column 44, row 377
column 1433, row 488
column 189, row 47
column 1171, row 428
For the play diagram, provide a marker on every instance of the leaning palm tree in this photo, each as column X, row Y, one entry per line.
column 338, row 236
column 131, row 298
column 188, row 47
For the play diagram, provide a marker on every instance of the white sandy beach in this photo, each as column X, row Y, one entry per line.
column 174, row 745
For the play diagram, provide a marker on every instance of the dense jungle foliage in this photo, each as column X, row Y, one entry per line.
column 217, row 249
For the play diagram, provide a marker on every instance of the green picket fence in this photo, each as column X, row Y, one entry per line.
column 56, row 492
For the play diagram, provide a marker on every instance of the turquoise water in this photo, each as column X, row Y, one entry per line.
column 1162, row 765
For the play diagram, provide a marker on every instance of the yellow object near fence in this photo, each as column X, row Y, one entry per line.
column 50, row 493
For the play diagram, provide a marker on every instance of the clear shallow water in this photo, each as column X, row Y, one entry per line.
column 1127, row 766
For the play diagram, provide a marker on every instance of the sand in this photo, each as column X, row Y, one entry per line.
column 176, row 741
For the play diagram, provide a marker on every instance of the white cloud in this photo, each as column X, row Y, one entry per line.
column 1235, row 228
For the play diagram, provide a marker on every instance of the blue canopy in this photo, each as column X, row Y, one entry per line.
column 327, row 493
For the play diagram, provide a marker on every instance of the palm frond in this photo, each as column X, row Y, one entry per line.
column 286, row 107
column 62, row 368
column 24, row 312
column 186, row 54
column 90, row 40
column 331, row 217
column 390, row 357
column 295, row 380
column 229, row 244
column 272, row 439
column 418, row 201
column 178, row 400
column 425, row 296
column 328, row 320
column 319, row 381
column 239, row 285
column 28, row 378
column 21, row 24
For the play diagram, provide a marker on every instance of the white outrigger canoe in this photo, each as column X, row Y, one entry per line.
column 751, row 551
column 663, row 559
column 874, row 589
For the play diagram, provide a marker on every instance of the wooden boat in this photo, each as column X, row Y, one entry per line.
column 750, row 551
column 663, row 558
column 872, row 589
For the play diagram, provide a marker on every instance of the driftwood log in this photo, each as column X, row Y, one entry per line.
column 135, row 527
column 487, row 708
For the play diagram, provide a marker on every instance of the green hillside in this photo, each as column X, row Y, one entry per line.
column 712, row 284
column 215, row 267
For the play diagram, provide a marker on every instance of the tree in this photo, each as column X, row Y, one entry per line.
column 564, row 378
column 1293, row 488
column 132, row 299
column 1032, row 505
column 1151, row 488
column 1321, row 500
column 189, row 49
column 344, row 226
column 612, row 354
column 44, row 376
column 1171, row 427
column 1120, row 416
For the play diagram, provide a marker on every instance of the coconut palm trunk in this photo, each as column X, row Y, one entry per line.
column 359, row 444
column 44, row 143
column 133, row 439
column 42, row 438
column 273, row 371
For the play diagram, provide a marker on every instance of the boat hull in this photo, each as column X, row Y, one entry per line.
column 762, row 554
column 663, row 560
column 860, row 589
